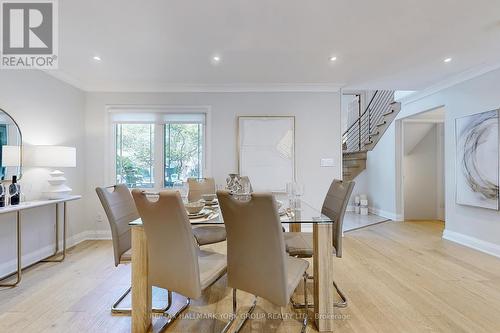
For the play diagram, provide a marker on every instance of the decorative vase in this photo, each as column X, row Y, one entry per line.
column 233, row 183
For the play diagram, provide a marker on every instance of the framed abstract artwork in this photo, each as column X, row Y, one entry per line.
column 477, row 160
column 266, row 151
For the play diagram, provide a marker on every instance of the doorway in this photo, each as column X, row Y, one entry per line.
column 422, row 166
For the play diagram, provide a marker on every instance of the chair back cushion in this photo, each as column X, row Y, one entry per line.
column 198, row 187
column 334, row 207
column 172, row 253
column 255, row 246
column 120, row 210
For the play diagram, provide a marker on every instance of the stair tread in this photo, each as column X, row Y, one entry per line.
column 361, row 152
column 354, row 158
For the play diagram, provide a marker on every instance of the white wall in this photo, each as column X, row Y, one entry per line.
column 51, row 112
column 422, row 177
column 317, row 134
column 475, row 227
column 377, row 180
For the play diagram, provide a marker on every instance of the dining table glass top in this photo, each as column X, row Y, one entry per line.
column 296, row 212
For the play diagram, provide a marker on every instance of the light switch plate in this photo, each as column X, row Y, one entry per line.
column 327, row 162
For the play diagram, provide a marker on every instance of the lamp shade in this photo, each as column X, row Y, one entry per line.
column 50, row 156
column 11, row 156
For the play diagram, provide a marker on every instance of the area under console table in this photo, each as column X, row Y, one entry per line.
column 58, row 256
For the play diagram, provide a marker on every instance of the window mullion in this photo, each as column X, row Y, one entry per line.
column 158, row 164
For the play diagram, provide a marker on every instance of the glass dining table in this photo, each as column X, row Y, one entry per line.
column 295, row 214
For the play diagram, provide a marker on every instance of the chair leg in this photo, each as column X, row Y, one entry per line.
column 233, row 315
column 128, row 311
column 342, row 304
column 306, row 307
column 173, row 317
column 116, row 310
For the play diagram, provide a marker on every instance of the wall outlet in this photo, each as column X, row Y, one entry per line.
column 327, row 162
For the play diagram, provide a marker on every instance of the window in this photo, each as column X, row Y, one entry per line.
column 134, row 154
column 157, row 149
column 183, row 152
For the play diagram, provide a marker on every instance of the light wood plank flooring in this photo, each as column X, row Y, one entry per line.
column 399, row 277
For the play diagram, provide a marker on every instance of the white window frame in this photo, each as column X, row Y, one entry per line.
column 159, row 158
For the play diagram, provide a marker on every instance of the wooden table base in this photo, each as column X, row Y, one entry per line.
column 323, row 278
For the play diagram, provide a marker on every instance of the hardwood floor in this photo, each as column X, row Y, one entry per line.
column 399, row 277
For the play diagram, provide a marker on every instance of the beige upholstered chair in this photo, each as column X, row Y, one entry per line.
column 257, row 261
column 120, row 209
column 175, row 262
column 200, row 186
column 300, row 244
column 205, row 234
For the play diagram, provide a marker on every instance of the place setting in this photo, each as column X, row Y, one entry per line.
column 202, row 210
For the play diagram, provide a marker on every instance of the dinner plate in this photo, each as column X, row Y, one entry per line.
column 203, row 213
column 212, row 215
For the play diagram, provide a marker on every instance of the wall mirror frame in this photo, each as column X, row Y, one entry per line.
column 11, row 147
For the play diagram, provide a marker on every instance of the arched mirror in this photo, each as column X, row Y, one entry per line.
column 10, row 147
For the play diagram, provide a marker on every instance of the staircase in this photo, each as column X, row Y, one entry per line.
column 366, row 131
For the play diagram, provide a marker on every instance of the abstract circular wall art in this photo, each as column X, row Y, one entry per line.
column 477, row 166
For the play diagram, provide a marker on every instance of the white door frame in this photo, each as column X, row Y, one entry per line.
column 399, row 134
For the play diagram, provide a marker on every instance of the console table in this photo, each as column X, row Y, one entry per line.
column 56, row 256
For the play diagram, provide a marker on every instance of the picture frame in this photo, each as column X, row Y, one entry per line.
column 266, row 151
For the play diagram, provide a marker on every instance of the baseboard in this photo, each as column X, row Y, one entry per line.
column 99, row 235
column 472, row 242
column 32, row 257
column 386, row 214
column 379, row 212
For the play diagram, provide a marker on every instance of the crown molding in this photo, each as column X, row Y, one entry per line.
column 450, row 82
column 202, row 88
column 222, row 88
column 64, row 77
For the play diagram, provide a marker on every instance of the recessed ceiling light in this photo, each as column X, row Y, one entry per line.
column 333, row 58
column 216, row 59
column 96, row 58
column 447, row 60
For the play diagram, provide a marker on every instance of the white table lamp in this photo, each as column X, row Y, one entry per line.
column 57, row 157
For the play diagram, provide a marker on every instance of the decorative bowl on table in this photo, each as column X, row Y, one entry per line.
column 208, row 197
column 195, row 207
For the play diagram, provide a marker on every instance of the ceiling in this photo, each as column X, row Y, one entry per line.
column 167, row 45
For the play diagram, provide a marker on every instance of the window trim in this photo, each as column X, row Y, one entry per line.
column 159, row 161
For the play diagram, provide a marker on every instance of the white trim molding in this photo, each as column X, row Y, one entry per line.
column 99, row 235
column 203, row 88
column 449, row 82
column 35, row 256
column 472, row 242
column 379, row 212
column 383, row 213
